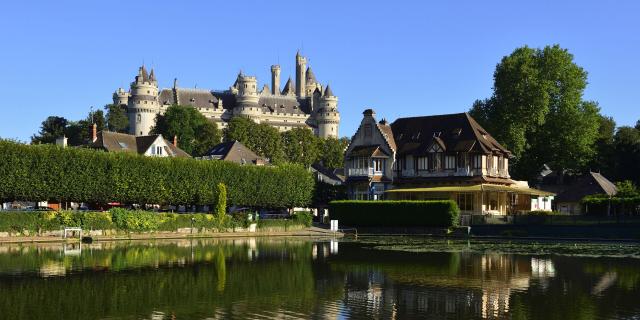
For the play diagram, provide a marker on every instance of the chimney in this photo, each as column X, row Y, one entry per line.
column 275, row 79
column 62, row 141
column 175, row 141
column 94, row 132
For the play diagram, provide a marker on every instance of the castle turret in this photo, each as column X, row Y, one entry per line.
column 311, row 83
column 301, row 77
column 247, row 97
column 143, row 103
column 289, row 89
column 327, row 115
column 275, row 79
column 121, row 97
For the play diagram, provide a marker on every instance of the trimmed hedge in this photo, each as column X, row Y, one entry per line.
column 389, row 213
column 115, row 219
column 602, row 204
column 48, row 172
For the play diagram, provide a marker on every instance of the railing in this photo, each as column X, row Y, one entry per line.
column 360, row 172
column 556, row 219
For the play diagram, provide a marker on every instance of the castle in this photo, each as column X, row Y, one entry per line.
column 307, row 103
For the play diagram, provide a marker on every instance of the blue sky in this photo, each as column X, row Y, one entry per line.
column 400, row 58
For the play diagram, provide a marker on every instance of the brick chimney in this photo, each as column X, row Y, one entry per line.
column 175, row 141
column 94, row 132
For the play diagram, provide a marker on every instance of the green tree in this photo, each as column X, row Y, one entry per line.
column 301, row 146
column 627, row 154
column 626, row 189
column 332, row 152
column 538, row 113
column 195, row 133
column 263, row 139
column 117, row 118
column 51, row 128
column 604, row 147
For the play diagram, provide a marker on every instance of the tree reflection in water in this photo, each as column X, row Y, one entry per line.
column 298, row 278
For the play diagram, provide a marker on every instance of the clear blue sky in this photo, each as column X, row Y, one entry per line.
column 400, row 58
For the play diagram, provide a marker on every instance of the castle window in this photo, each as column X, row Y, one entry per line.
column 139, row 119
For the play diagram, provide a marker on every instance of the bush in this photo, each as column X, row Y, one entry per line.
column 542, row 213
column 388, row 213
column 280, row 224
column 48, row 172
column 303, row 217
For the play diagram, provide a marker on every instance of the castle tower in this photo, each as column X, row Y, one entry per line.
column 247, row 97
column 143, row 105
column 275, row 79
column 311, row 83
column 327, row 116
column 121, row 97
column 301, row 77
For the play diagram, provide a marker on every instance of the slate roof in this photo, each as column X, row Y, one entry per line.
column 452, row 132
column 234, row 151
column 310, row 77
column 328, row 92
column 166, row 97
column 327, row 172
column 122, row 142
column 289, row 88
column 588, row 184
column 196, row 98
column 368, row 151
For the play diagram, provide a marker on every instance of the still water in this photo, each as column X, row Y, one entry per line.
column 372, row 278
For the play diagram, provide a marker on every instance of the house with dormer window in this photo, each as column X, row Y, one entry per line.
column 435, row 157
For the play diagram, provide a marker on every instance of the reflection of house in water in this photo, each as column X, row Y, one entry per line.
column 470, row 285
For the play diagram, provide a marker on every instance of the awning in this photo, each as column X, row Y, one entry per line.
column 476, row 188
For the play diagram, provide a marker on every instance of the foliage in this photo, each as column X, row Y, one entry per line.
column 117, row 118
column 391, row 213
column 301, row 146
column 325, row 193
column 263, row 139
column 332, row 152
column 537, row 111
column 51, row 128
column 542, row 213
column 627, row 154
column 280, row 224
column 626, row 189
column 196, row 135
column 47, row 172
column 221, row 206
column 303, row 217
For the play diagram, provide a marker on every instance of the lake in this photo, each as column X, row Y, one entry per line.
column 290, row 278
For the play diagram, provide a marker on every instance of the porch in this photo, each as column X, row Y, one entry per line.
column 481, row 198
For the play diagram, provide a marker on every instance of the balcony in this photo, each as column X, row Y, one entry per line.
column 360, row 172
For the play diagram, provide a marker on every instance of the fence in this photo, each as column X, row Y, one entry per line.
column 559, row 220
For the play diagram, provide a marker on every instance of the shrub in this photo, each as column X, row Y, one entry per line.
column 48, row 172
column 280, row 224
column 303, row 217
column 542, row 213
column 391, row 213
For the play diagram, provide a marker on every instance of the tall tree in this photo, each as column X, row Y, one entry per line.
column 195, row 133
column 117, row 118
column 263, row 139
column 301, row 146
column 332, row 152
column 627, row 154
column 538, row 113
column 604, row 147
column 51, row 128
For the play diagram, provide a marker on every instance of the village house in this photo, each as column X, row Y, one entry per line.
column 150, row 145
column 436, row 157
column 234, row 151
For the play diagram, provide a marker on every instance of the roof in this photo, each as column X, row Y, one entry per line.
column 122, row 142
column 589, row 184
column 327, row 172
column 288, row 87
column 457, row 132
column 477, row 187
column 387, row 132
column 368, row 151
column 328, row 92
column 196, row 98
column 310, row 78
column 234, row 151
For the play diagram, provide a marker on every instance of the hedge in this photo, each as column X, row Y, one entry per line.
column 48, row 172
column 388, row 213
column 603, row 204
column 114, row 219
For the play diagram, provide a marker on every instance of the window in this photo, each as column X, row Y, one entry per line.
column 159, row 150
column 450, row 162
column 139, row 118
column 378, row 165
column 436, row 161
column 423, row 163
column 465, row 201
column 477, row 162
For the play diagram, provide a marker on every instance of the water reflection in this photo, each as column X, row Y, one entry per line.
column 297, row 278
